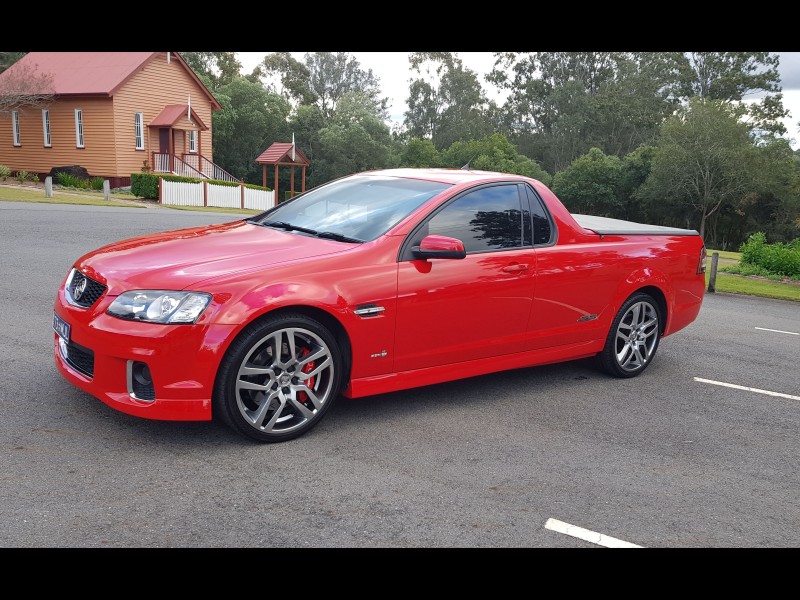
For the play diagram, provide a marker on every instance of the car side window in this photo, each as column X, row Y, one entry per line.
column 542, row 223
column 489, row 218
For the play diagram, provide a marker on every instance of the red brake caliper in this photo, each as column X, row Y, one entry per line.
column 307, row 368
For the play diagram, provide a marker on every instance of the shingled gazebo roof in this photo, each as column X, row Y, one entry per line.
column 280, row 153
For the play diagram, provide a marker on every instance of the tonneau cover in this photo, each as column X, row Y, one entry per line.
column 608, row 226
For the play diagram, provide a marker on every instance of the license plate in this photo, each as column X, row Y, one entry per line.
column 61, row 327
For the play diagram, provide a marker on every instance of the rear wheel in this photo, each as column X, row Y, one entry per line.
column 633, row 339
column 278, row 378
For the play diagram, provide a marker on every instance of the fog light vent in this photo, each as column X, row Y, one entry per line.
column 140, row 382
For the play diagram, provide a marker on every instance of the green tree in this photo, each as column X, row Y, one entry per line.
column 729, row 76
column 352, row 141
column 561, row 104
column 704, row 158
column 215, row 69
column 772, row 205
column 492, row 153
column 446, row 103
column 634, row 172
column 733, row 76
column 9, row 58
column 334, row 75
column 420, row 153
column 251, row 119
column 591, row 185
column 305, row 123
column 283, row 74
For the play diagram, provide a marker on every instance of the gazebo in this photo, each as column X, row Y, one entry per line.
column 283, row 154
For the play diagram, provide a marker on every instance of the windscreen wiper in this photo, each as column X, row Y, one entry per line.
column 330, row 235
column 288, row 226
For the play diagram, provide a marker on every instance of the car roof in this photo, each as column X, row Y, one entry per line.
column 453, row 176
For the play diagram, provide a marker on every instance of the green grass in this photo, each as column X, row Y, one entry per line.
column 737, row 256
column 749, row 286
column 13, row 194
column 96, row 198
column 735, row 284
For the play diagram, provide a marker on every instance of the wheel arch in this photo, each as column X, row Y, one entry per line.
column 333, row 324
column 648, row 281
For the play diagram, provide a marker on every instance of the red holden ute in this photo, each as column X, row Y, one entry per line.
column 375, row 282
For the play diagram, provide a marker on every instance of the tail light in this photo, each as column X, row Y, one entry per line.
column 701, row 265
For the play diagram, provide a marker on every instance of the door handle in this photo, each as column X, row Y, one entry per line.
column 515, row 268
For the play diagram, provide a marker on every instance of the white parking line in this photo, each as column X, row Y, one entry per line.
column 747, row 389
column 778, row 331
column 586, row 535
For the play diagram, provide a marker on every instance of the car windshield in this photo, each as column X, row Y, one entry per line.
column 358, row 208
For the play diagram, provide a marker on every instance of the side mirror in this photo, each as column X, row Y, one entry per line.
column 439, row 246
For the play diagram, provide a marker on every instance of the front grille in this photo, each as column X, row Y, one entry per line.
column 90, row 290
column 80, row 358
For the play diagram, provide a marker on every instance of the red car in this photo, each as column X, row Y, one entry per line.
column 371, row 283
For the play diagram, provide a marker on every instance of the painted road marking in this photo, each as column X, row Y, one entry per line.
column 586, row 535
column 777, row 331
column 747, row 389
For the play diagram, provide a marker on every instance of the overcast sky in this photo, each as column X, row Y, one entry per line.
column 393, row 70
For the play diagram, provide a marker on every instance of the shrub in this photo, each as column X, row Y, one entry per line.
column 21, row 176
column 780, row 259
column 144, row 185
column 96, row 183
column 33, row 177
column 67, row 179
column 5, row 172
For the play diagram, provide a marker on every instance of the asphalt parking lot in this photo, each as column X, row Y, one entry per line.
column 700, row 451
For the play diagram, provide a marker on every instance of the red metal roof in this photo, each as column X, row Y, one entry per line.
column 85, row 72
column 170, row 115
column 93, row 73
column 280, row 152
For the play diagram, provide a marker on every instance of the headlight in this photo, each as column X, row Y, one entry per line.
column 159, row 306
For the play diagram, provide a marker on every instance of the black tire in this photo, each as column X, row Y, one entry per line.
column 633, row 339
column 278, row 378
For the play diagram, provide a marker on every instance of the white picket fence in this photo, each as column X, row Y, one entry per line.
column 184, row 193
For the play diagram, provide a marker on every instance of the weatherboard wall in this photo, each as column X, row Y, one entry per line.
column 158, row 84
column 97, row 155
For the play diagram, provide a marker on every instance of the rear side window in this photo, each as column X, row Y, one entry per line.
column 543, row 229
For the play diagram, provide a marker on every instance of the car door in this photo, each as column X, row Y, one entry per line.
column 453, row 310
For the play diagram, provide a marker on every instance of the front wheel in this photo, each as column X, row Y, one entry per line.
column 278, row 378
column 633, row 338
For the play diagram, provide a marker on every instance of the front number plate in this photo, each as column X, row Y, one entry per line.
column 61, row 327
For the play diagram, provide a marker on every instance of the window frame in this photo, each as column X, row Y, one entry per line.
column 193, row 141
column 79, row 140
column 138, row 126
column 15, row 128
column 412, row 239
column 48, row 141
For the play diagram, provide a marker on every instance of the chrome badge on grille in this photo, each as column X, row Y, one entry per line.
column 80, row 287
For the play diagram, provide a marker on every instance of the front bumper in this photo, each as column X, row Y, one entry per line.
column 182, row 360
